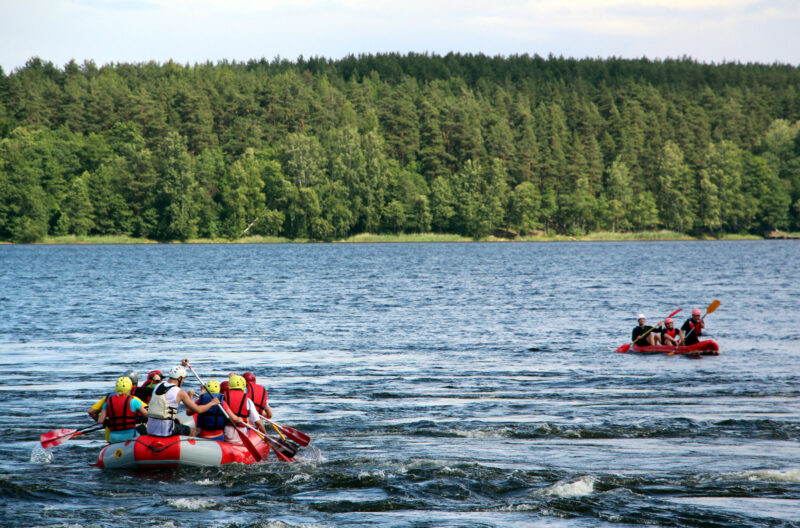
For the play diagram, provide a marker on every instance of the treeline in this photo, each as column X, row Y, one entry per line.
column 465, row 144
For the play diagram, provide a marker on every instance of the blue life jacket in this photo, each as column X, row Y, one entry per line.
column 214, row 418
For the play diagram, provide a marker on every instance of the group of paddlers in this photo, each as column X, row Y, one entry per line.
column 219, row 409
column 686, row 335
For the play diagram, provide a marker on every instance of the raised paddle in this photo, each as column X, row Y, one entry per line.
column 59, row 436
column 294, row 435
column 242, row 435
column 711, row 308
column 625, row 348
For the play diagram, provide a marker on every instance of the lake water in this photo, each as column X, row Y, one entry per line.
column 442, row 384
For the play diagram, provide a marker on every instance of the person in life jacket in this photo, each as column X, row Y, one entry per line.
column 164, row 402
column 692, row 329
column 94, row 410
column 257, row 393
column 669, row 334
column 242, row 407
column 211, row 424
column 119, row 412
column 154, row 377
column 652, row 338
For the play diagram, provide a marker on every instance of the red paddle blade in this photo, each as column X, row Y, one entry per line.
column 56, row 437
column 294, row 435
column 249, row 445
column 623, row 348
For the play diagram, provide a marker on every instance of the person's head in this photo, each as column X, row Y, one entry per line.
column 178, row 373
column 237, row 383
column 669, row 322
column 224, row 386
column 212, row 387
column 249, row 377
column 696, row 314
column 154, row 377
column 124, row 385
column 641, row 319
column 133, row 376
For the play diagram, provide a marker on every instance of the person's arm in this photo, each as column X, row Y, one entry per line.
column 94, row 411
column 235, row 419
column 137, row 406
column 190, row 405
column 190, row 412
column 254, row 418
column 268, row 411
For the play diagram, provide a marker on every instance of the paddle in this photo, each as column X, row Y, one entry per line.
column 282, row 449
column 242, row 435
column 625, row 348
column 294, row 435
column 711, row 308
column 59, row 436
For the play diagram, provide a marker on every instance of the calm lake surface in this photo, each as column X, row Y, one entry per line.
column 442, row 384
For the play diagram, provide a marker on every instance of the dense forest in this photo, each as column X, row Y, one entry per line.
column 468, row 144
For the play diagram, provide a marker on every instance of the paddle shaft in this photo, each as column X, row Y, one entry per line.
column 711, row 309
column 57, row 440
column 656, row 326
column 246, row 441
column 295, row 435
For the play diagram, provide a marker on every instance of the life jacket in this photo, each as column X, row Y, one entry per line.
column 237, row 402
column 671, row 333
column 697, row 331
column 159, row 407
column 119, row 416
column 214, row 418
column 258, row 394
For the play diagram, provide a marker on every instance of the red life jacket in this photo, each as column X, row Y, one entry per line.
column 119, row 416
column 237, row 401
column 671, row 333
column 697, row 329
column 258, row 394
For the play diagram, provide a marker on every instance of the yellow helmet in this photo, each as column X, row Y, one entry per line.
column 213, row 387
column 237, row 382
column 124, row 385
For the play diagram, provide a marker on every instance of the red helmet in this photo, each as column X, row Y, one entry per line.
column 696, row 311
column 150, row 376
column 224, row 386
column 249, row 377
column 668, row 320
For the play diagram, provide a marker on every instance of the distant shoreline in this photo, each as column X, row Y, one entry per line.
column 644, row 236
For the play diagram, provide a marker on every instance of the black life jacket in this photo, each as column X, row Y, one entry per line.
column 119, row 416
column 258, row 394
column 237, row 402
column 214, row 418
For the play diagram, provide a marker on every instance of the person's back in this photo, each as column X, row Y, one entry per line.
column 211, row 424
column 163, row 409
column 120, row 410
column 258, row 394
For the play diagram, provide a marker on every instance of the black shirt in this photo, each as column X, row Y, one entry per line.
column 638, row 331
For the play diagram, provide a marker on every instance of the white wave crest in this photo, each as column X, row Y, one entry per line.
column 207, row 482
column 192, row 504
column 575, row 488
column 773, row 475
column 39, row 455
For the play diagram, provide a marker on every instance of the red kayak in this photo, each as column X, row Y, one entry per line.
column 703, row 348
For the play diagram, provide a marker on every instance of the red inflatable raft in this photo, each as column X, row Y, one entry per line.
column 702, row 348
column 146, row 451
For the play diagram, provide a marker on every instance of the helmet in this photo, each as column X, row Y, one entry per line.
column 668, row 320
column 212, row 387
column 177, row 372
column 152, row 374
column 237, row 382
column 249, row 377
column 640, row 316
column 133, row 376
column 224, row 386
column 696, row 311
column 124, row 385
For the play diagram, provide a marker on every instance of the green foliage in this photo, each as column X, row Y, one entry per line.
column 465, row 144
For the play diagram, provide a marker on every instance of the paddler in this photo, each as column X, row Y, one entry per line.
column 669, row 334
column 211, row 424
column 94, row 410
column 241, row 406
column 119, row 412
column 692, row 328
column 166, row 398
column 638, row 336
column 257, row 393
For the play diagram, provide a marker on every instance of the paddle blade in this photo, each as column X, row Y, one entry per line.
column 249, row 445
column 56, row 437
column 713, row 306
column 282, row 449
column 623, row 348
column 293, row 434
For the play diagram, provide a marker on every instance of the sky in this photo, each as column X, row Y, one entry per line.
column 197, row 31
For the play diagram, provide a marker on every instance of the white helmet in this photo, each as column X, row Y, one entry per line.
column 177, row 372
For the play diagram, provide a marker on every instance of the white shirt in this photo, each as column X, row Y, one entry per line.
column 159, row 427
column 253, row 417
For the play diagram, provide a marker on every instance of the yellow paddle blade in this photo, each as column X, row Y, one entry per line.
column 713, row 306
